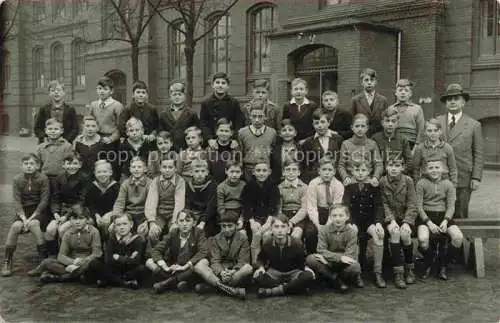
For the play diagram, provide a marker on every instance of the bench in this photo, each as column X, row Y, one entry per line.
column 475, row 231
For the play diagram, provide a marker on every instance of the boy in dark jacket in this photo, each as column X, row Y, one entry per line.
column 173, row 259
column 201, row 198
column 400, row 206
column 340, row 119
column 89, row 146
column 142, row 110
column 300, row 109
column 123, row 256
column 367, row 213
column 59, row 110
column 228, row 262
column 281, row 263
column 135, row 145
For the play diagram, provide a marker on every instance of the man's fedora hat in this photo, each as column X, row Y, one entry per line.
column 454, row 90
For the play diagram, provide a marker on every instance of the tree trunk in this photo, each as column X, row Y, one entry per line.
column 189, row 50
column 134, row 55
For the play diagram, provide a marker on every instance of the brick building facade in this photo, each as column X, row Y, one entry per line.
column 327, row 42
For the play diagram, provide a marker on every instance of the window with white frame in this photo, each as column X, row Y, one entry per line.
column 489, row 34
column 263, row 22
column 79, row 52
column 38, row 10
column 38, row 68
column 218, row 45
column 177, row 56
column 57, row 62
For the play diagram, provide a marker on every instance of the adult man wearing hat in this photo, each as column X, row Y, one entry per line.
column 464, row 134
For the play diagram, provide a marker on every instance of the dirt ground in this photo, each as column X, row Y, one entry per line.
column 462, row 299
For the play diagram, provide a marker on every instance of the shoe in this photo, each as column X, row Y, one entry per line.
column 380, row 281
column 238, row 293
column 132, row 284
column 37, row 271
column 426, row 273
column 202, row 288
column 182, row 286
column 164, row 285
column 410, row 275
column 442, row 274
column 269, row 292
column 358, row 282
column 341, row 285
column 7, row 268
column 100, row 283
column 49, row 278
column 399, row 281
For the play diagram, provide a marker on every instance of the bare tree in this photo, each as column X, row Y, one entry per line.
column 195, row 27
column 10, row 12
column 127, row 21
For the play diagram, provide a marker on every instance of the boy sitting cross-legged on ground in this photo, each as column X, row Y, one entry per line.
column 337, row 257
column 80, row 248
column 31, row 199
column 367, row 213
column 281, row 263
column 400, row 206
column 165, row 199
column 123, row 256
column 228, row 263
column 68, row 190
column 173, row 259
column 436, row 205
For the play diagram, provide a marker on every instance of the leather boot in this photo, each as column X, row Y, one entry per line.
column 238, row 293
column 399, row 281
column 410, row 274
column 380, row 281
column 442, row 273
column 340, row 285
column 358, row 281
column 7, row 266
column 427, row 272
column 164, row 285
column 269, row 292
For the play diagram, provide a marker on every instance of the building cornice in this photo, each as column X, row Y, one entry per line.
column 362, row 11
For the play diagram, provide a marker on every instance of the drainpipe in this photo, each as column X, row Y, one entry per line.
column 398, row 56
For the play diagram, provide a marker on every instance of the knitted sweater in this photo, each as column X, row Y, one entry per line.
column 256, row 147
column 411, row 121
column 399, row 197
column 132, row 196
column 68, row 190
column 229, row 196
column 435, row 196
column 108, row 117
column 272, row 111
column 30, row 192
column 354, row 149
column 52, row 154
column 443, row 151
column 395, row 147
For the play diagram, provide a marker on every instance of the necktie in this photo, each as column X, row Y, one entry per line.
column 328, row 195
column 452, row 123
column 101, row 105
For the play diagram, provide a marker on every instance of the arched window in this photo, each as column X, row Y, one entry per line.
column 263, row 21
column 57, row 62
column 218, row 44
column 177, row 56
column 38, row 68
column 79, row 52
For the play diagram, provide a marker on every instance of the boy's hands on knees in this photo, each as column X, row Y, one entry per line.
column 163, row 265
column 320, row 258
column 434, row 228
column 201, row 225
column 348, row 260
column 154, row 230
column 393, row 226
column 177, row 267
column 142, row 229
column 373, row 181
column 71, row 268
column 443, row 226
column 258, row 272
column 379, row 230
column 347, row 181
column 226, row 275
column 405, row 229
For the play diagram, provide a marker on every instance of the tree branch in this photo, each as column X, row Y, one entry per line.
column 12, row 21
column 152, row 14
column 167, row 21
column 216, row 21
column 122, row 18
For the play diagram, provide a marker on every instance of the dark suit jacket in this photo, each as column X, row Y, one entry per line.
column 366, row 205
column 313, row 152
column 167, row 122
column 69, row 120
column 147, row 114
column 301, row 120
column 374, row 112
column 235, row 254
column 168, row 248
column 467, row 141
column 341, row 122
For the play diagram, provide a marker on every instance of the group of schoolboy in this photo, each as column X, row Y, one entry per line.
column 280, row 197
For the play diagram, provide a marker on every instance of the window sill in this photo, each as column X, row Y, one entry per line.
column 486, row 63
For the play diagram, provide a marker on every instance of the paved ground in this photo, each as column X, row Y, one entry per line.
column 463, row 299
